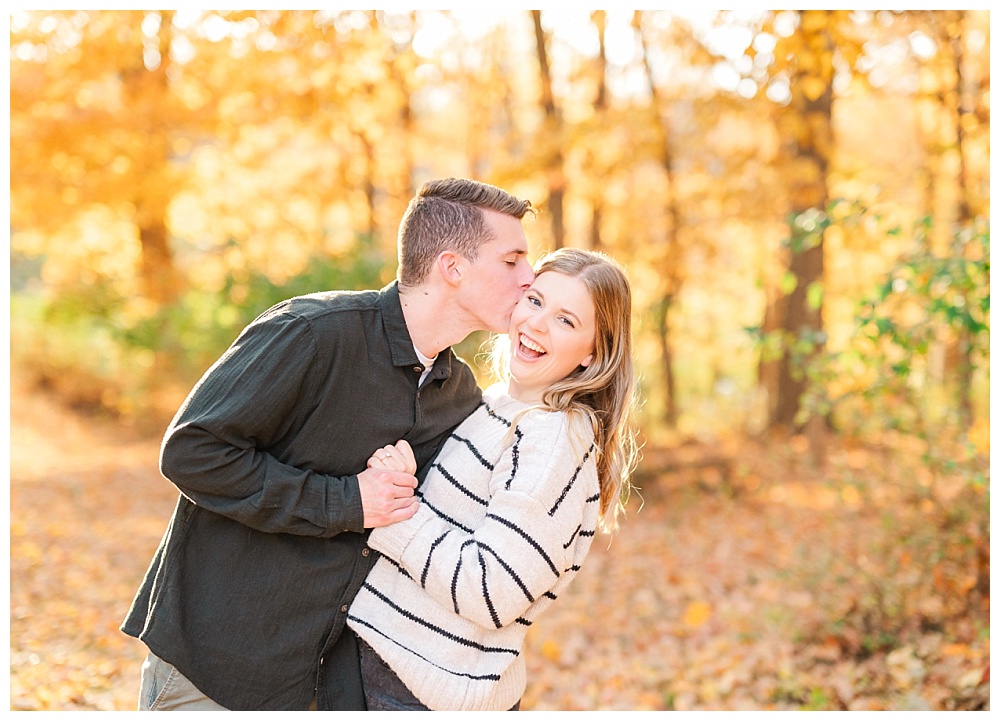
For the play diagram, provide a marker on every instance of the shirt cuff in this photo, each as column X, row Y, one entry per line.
column 348, row 508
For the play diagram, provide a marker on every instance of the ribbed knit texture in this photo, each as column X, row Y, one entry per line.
column 505, row 522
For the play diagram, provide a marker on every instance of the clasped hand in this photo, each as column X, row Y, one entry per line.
column 387, row 485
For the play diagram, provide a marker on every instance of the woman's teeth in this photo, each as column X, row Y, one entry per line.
column 527, row 343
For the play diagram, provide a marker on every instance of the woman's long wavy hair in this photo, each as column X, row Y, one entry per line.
column 605, row 390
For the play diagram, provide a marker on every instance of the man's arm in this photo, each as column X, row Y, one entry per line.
column 214, row 450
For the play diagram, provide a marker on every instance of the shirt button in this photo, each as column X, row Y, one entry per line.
column 364, row 551
column 343, row 609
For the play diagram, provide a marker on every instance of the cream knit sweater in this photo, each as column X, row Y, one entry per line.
column 505, row 521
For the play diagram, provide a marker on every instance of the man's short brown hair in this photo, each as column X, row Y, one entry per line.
column 447, row 214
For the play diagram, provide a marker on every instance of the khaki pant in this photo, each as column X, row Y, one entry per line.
column 163, row 688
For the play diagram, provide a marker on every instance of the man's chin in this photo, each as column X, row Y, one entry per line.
column 501, row 328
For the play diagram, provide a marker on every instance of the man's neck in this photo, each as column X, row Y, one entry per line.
column 432, row 324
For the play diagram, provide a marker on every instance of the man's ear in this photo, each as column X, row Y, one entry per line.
column 449, row 265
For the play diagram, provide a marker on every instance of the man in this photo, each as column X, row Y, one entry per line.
column 244, row 604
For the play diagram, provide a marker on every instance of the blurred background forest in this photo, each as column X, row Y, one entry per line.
column 801, row 199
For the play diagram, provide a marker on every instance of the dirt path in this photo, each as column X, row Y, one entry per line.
column 88, row 507
column 699, row 603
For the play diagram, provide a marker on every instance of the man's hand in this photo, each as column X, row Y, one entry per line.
column 386, row 496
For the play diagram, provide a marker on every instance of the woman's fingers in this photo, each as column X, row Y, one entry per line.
column 398, row 457
column 390, row 458
column 406, row 455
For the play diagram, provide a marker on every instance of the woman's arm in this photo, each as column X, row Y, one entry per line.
column 492, row 573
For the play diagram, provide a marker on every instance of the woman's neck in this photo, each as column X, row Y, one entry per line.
column 522, row 394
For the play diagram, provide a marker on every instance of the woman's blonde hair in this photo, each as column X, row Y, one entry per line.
column 604, row 391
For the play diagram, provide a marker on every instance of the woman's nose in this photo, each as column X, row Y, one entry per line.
column 536, row 322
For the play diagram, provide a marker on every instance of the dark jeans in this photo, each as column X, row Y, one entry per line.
column 384, row 691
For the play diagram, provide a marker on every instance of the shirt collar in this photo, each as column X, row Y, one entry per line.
column 398, row 335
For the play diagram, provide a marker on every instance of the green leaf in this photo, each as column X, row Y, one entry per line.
column 885, row 326
column 789, row 282
column 814, row 294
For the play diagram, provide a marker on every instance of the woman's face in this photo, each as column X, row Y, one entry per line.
column 551, row 334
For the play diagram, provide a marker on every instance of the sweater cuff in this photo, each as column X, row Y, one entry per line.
column 392, row 540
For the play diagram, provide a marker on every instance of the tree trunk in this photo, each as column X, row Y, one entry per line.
column 670, row 255
column 368, row 184
column 667, row 361
column 395, row 62
column 768, row 368
column 553, row 133
column 963, row 343
column 800, row 320
column 599, row 18
column 147, row 91
column 807, row 130
column 962, row 108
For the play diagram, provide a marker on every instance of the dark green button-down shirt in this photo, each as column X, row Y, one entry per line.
column 247, row 593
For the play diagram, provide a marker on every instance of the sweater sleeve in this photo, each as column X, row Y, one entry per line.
column 215, row 450
column 492, row 573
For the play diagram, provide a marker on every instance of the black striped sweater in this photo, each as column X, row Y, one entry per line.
column 506, row 518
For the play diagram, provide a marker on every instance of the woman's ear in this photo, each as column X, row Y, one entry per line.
column 588, row 360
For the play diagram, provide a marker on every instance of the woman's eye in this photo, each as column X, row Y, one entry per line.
column 533, row 300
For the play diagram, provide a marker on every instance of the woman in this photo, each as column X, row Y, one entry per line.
column 510, row 506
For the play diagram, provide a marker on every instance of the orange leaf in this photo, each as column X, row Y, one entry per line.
column 550, row 649
column 696, row 613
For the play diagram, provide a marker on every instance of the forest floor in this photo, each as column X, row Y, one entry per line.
column 748, row 585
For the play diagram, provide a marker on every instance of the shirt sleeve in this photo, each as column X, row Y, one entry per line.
column 491, row 574
column 215, row 450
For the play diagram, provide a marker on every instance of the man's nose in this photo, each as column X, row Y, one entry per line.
column 527, row 276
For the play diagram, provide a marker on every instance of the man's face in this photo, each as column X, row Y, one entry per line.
column 498, row 277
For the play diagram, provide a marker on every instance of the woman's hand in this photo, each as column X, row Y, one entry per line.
column 398, row 457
